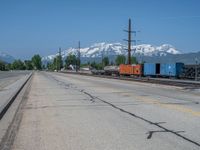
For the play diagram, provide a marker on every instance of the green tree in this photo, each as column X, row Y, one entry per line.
column 78, row 63
column 93, row 64
column 105, row 61
column 54, row 65
column 134, row 60
column 37, row 62
column 58, row 62
column 121, row 59
column 18, row 65
column 2, row 65
column 8, row 66
column 50, row 66
column 97, row 66
column 28, row 65
column 70, row 60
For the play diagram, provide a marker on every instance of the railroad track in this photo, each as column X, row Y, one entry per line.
column 172, row 82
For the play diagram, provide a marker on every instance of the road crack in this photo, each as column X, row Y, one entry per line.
column 163, row 129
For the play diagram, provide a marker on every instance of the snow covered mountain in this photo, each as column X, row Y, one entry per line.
column 149, row 50
column 6, row 57
column 113, row 49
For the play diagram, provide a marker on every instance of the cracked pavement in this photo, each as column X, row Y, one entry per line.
column 78, row 112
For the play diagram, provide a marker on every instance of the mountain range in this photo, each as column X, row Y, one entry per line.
column 165, row 53
column 111, row 50
column 6, row 57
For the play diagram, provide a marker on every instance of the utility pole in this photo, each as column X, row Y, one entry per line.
column 79, row 55
column 57, row 63
column 129, row 40
column 129, row 31
column 60, row 58
column 102, row 57
column 78, row 61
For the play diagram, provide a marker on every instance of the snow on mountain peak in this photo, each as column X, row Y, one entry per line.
column 113, row 49
column 150, row 50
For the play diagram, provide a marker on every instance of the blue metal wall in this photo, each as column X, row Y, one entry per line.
column 172, row 69
column 149, row 69
column 179, row 68
column 168, row 69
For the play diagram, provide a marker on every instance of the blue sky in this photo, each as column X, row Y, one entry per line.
column 28, row 27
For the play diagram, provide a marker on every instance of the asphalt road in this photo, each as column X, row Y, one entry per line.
column 73, row 112
column 8, row 74
column 9, row 77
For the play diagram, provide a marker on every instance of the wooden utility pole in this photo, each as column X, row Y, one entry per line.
column 79, row 55
column 78, row 60
column 129, row 40
column 60, row 59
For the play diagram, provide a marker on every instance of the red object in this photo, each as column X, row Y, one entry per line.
column 137, row 70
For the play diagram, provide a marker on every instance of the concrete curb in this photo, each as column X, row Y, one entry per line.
column 5, row 107
column 8, row 120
